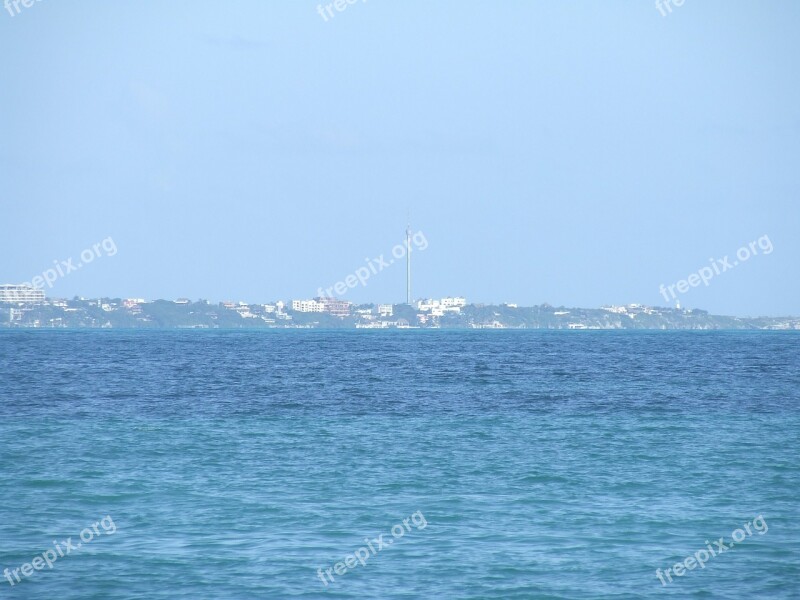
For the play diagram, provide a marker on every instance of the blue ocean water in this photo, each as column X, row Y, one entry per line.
column 526, row 464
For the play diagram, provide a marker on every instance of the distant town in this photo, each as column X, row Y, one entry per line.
column 26, row 307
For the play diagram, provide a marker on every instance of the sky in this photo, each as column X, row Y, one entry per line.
column 566, row 152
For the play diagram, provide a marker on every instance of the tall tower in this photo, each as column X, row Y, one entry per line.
column 408, row 264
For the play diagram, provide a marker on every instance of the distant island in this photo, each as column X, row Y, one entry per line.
column 327, row 313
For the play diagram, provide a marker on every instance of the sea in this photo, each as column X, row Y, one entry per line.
column 399, row 464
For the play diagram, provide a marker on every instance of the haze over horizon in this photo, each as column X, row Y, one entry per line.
column 573, row 154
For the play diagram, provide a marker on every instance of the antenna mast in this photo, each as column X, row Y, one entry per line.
column 408, row 264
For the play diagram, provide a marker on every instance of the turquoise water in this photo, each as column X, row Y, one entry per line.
column 542, row 464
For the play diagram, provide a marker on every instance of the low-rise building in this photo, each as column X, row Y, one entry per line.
column 458, row 301
column 426, row 305
column 244, row 311
column 307, row 306
column 20, row 293
column 450, row 304
column 620, row 310
column 337, row 308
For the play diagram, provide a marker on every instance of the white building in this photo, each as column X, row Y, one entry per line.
column 620, row 310
column 454, row 301
column 20, row 293
column 449, row 304
column 307, row 306
column 427, row 304
column 385, row 310
column 244, row 312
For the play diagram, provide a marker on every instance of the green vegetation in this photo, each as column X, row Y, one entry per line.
column 166, row 314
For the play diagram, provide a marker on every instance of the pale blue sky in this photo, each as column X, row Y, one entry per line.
column 576, row 153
